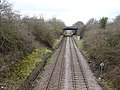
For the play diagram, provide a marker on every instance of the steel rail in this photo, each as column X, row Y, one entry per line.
column 85, row 81
column 61, row 46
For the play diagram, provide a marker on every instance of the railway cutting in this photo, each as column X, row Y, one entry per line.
column 68, row 71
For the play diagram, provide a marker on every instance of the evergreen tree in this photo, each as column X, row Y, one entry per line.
column 103, row 21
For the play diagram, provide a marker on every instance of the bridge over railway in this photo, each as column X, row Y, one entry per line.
column 71, row 28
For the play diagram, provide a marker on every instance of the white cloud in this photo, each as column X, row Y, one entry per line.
column 69, row 11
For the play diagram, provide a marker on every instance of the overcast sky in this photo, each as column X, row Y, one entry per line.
column 69, row 11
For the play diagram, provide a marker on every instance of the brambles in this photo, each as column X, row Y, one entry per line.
column 19, row 40
column 20, row 36
column 104, row 46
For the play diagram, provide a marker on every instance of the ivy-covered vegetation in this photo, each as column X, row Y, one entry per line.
column 20, row 37
column 103, row 45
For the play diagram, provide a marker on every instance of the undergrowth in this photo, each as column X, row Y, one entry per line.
column 19, row 72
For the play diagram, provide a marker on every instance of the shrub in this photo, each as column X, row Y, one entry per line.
column 103, row 21
column 81, row 28
column 20, row 36
column 104, row 46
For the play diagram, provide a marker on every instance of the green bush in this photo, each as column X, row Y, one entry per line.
column 103, row 21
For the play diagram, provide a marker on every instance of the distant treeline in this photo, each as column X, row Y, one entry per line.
column 20, row 36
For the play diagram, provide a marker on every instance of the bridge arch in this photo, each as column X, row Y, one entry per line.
column 73, row 28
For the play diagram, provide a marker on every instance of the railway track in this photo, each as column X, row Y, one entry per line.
column 78, row 79
column 66, row 72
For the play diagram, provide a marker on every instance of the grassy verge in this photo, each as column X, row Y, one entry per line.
column 80, row 46
column 19, row 71
column 11, row 79
column 49, row 61
column 79, row 42
column 57, row 42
